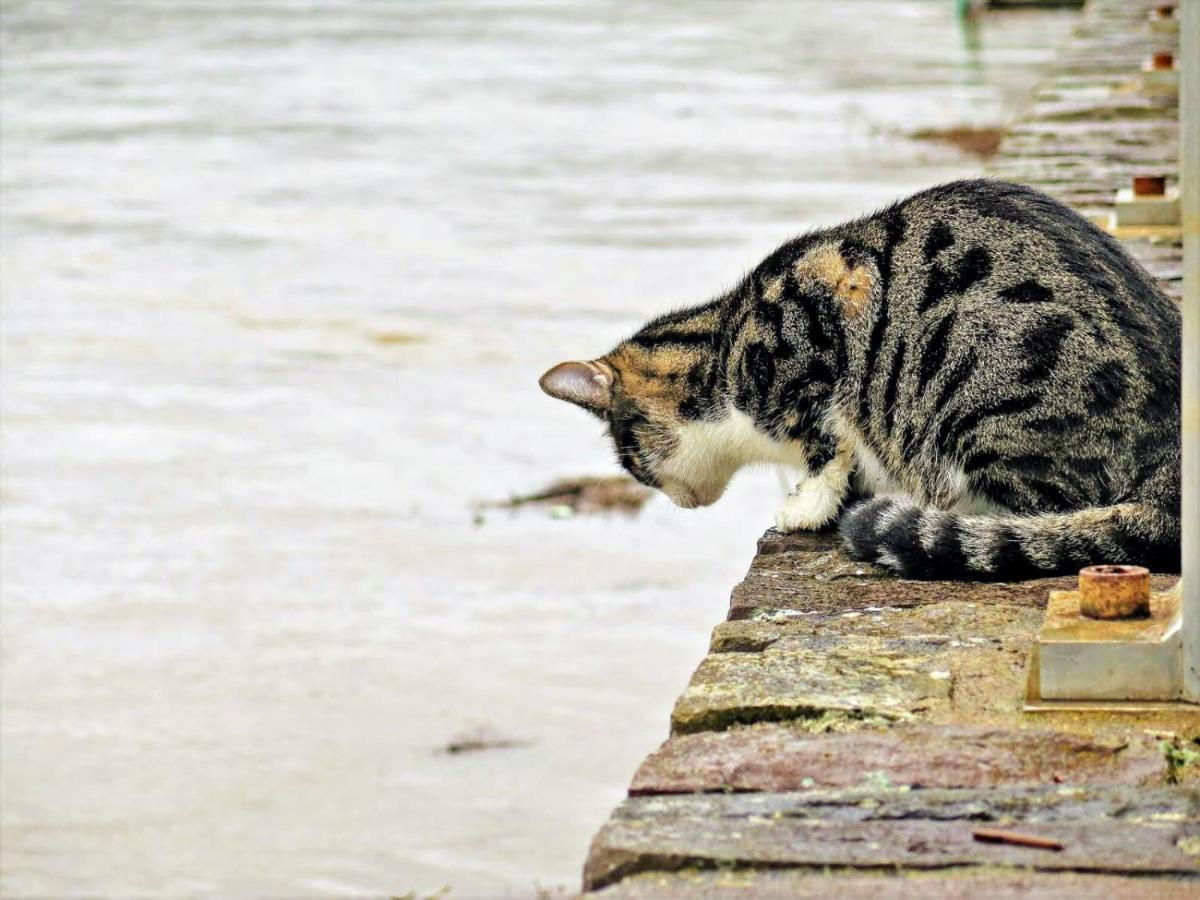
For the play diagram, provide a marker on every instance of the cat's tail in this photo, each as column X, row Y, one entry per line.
column 927, row 543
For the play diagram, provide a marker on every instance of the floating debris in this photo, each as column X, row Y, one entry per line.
column 480, row 739
column 397, row 338
column 981, row 143
column 582, row 496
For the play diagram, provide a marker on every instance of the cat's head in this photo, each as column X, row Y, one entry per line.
column 665, row 426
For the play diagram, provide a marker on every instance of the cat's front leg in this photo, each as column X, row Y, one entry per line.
column 819, row 498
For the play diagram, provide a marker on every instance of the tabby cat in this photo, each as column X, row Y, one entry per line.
column 995, row 368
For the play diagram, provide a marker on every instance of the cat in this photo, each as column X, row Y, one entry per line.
column 994, row 373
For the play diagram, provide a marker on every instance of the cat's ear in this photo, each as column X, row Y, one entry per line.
column 586, row 384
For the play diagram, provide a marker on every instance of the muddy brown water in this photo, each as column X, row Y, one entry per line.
column 278, row 281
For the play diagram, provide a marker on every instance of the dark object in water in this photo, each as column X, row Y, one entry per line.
column 481, row 739
column 978, row 142
column 589, row 494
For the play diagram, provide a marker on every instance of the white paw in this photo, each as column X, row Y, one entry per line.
column 812, row 507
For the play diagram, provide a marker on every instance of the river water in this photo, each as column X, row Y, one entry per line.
column 278, row 281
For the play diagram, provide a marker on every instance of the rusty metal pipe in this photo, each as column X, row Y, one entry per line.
column 1114, row 592
column 1149, row 185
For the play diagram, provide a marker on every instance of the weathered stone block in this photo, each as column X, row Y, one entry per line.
column 1122, row 830
column 855, row 676
column 959, row 884
column 811, row 574
column 956, row 623
column 774, row 757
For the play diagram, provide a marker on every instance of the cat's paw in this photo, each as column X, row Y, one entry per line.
column 814, row 505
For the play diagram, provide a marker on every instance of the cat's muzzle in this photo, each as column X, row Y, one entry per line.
column 686, row 497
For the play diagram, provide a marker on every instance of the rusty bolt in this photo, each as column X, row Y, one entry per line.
column 1162, row 60
column 1165, row 10
column 1149, row 185
column 1114, row 592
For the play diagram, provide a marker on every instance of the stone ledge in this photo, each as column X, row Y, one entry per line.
column 814, row 567
column 856, row 676
column 1118, row 830
column 780, row 758
column 954, row 623
column 963, row 884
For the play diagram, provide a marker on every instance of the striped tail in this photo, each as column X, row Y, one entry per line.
column 927, row 543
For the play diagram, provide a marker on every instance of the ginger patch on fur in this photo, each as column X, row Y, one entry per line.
column 851, row 284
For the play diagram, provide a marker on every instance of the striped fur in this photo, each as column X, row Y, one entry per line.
column 999, row 368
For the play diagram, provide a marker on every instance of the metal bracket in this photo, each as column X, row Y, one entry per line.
column 1082, row 658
